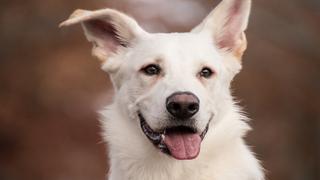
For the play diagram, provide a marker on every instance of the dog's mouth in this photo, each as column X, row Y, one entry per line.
column 180, row 142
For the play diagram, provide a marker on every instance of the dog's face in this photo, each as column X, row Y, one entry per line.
column 173, row 85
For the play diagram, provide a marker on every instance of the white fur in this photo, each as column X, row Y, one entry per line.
column 215, row 43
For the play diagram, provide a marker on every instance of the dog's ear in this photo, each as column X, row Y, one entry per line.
column 227, row 23
column 107, row 29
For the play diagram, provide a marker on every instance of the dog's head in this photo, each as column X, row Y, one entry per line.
column 173, row 85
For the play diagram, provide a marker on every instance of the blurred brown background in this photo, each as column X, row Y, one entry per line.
column 50, row 86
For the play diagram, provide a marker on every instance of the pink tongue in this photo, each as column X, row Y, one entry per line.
column 183, row 146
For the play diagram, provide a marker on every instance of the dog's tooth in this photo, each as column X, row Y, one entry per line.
column 163, row 137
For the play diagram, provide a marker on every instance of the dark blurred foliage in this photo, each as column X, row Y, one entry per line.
column 51, row 87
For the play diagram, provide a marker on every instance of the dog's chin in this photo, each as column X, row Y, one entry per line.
column 179, row 142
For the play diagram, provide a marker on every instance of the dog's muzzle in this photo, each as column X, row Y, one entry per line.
column 180, row 142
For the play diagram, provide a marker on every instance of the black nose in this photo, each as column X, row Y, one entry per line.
column 182, row 105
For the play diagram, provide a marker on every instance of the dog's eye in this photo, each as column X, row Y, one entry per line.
column 206, row 72
column 151, row 70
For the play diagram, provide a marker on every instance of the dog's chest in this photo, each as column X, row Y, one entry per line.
column 163, row 171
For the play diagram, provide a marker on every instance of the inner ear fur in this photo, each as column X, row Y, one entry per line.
column 107, row 29
column 227, row 24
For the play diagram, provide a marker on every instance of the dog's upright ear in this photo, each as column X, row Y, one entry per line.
column 227, row 23
column 107, row 29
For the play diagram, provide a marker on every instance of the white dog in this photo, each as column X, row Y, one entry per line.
column 173, row 116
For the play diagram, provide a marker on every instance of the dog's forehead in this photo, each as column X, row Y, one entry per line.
column 175, row 46
column 176, row 41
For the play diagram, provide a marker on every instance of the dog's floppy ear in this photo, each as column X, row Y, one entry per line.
column 227, row 23
column 107, row 29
